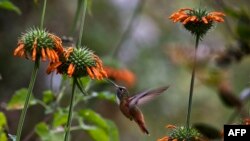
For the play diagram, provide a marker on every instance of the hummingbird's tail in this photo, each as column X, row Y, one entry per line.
column 139, row 119
column 142, row 126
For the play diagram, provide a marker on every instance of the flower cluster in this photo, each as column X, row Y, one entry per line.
column 36, row 43
column 197, row 21
column 39, row 44
column 181, row 134
column 79, row 62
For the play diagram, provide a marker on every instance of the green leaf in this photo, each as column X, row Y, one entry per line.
column 105, row 129
column 46, row 134
column 105, row 96
column 3, row 121
column 112, row 131
column 85, row 81
column 98, row 134
column 94, row 118
column 3, row 136
column 48, row 96
column 18, row 99
column 6, row 4
column 42, row 131
column 60, row 118
column 57, row 136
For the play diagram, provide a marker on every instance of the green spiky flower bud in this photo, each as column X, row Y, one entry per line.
column 79, row 62
column 38, row 43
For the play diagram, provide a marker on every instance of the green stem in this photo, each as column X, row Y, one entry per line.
column 76, row 17
column 43, row 14
column 26, row 104
column 192, row 85
column 128, row 30
column 82, row 22
column 67, row 128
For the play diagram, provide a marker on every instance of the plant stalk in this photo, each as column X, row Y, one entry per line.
column 27, row 100
column 192, row 84
column 43, row 14
column 129, row 28
column 82, row 22
column 67, row 128
column 76, row 17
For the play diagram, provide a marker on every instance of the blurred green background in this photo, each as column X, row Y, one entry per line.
column 144, row 52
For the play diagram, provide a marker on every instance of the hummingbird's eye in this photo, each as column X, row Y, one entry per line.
column 121, row 89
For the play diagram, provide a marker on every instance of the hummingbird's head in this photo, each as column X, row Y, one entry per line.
column 121, row 92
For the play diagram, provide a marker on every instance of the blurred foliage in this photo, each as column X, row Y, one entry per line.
column 146, row 51
column 18, row 99
column 8, row 5
column 88, row 120
column 3, row 124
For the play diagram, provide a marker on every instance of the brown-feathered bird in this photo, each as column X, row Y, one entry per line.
column 128, row 105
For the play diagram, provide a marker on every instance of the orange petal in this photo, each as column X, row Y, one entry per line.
column 71, row 69
column 34, row 50
column 186, row 20
column 68, row 51
column 96, row 73
column 218, row 19
column 43, row 54
column 181, row 17
column 48, row 53
column 184, row 9
column 56, row 56
column 90, row 73
column 19, row 48
column 53, row 66
column 171, row 126
column 217, row 13
column 52, row 55
column 104, row 73
column 57, row 42
column 204, row 20
column 34, row 54
column 22, row 53
column 193, row 18
column 173, row 16
column 163, row 139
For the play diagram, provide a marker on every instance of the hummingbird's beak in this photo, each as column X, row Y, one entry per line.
column 110, row 81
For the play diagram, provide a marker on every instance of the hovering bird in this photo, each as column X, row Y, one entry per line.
column 129, row 105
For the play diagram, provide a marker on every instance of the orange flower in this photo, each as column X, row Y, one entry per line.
column 122, row 75
column 38, row 43
column 79, row 62
column 186, row 15
column 166, row 138
column 170, row 126
column 53, row 66
column 181, row 134
column 197, row 21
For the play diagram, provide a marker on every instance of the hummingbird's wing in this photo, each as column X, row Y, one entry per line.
column 143, row 97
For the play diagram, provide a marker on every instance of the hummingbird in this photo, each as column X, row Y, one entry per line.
column 129, row 104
